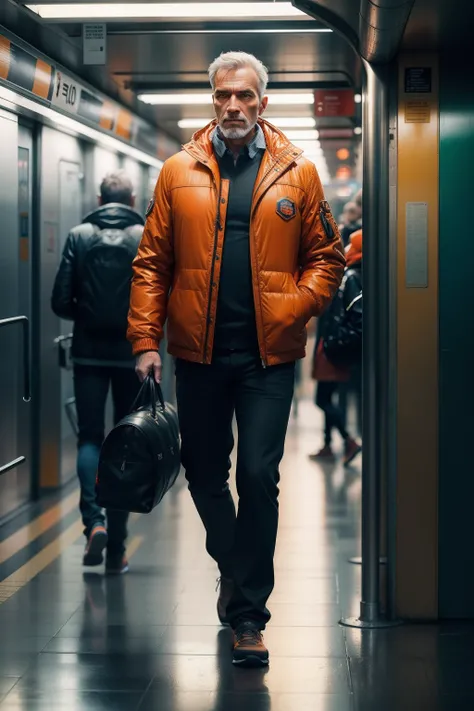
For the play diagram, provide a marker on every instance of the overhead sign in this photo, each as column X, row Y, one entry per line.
column 335, row 133
column 336, row 102
column 66, row 93
column 22, row 69
column 94, row 43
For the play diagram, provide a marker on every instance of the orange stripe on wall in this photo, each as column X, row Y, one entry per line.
column 4, row 57
column 417, row 357
column 107, row 116
column 124, row 124
column 42, row 81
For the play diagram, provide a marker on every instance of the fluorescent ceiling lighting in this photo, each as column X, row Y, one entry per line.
column 168, row 11
column 281, row 122
column 194, row 123
column 203, row 99
column 80, row 128
column 307, row 145
column 309, row 135
column 313, row 152
column 280, row 98
column 175, row 99
column 292, row 121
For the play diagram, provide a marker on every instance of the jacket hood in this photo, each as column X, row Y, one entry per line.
column 275, row 139
column 354, row 249
column 114, row 215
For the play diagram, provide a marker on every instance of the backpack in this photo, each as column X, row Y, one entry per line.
column 140, row 458
column 343, row 343
column 105, row 281
column 342, row 338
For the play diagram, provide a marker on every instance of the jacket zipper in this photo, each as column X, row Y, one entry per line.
column 216, row 239
column 272, row 168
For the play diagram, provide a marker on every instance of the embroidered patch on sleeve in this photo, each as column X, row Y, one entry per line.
column 150, row 207
column 286, row 208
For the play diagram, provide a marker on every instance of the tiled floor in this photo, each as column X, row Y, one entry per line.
column 150, row 641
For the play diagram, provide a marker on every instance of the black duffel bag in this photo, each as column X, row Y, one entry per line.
column 140, row 458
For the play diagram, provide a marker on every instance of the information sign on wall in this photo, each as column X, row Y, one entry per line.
column 418, row 80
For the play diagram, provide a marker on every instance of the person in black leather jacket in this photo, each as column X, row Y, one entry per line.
column 92, row 288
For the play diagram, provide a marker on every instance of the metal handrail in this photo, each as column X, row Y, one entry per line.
column 26, row 351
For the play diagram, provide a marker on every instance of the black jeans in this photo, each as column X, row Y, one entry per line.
column 91, row 386
column 243, row 545
column 334, row 415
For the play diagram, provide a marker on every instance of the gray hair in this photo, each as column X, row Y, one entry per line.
column 234, row 60
column 116, row 187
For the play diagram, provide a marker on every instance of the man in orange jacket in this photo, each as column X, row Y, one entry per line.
column 239, row 251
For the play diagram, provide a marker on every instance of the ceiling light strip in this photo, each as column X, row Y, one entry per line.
column 168, row 11
column 279, row 121
column 203, row 99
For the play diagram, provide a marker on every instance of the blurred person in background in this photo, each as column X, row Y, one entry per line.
column 338, row 352
column 352, row 221
column 92, row 288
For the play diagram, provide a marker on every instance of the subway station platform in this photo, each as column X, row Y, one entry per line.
column 73, row 640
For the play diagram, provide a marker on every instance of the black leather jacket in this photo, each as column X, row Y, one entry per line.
column 91, row 348
column 342, row 335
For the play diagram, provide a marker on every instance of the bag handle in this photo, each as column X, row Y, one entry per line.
column 150, row 392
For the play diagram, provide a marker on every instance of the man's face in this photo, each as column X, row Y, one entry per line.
column 236, row 101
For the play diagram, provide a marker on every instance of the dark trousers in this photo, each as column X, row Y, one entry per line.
column 208, row 396
column 333, row 414
column 91, row 387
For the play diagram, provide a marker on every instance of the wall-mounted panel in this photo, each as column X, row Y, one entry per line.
column 417, row 350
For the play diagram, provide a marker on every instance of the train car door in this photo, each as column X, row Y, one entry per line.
column 16, row 148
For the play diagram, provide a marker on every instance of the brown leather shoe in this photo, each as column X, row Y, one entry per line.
column 249, row 649
column 225, row 593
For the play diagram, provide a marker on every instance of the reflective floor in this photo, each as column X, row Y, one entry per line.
column 150, row 640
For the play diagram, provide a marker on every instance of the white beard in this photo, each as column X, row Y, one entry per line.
column 238, row 132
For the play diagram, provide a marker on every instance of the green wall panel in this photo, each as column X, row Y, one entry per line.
column 456, row 332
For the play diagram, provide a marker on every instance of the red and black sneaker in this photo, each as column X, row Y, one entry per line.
column 249, row 649
column 97, row 541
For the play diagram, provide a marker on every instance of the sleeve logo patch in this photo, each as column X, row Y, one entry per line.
column 286, row 208
column 150, row 207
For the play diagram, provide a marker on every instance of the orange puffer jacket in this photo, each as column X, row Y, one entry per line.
column 297, row 257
